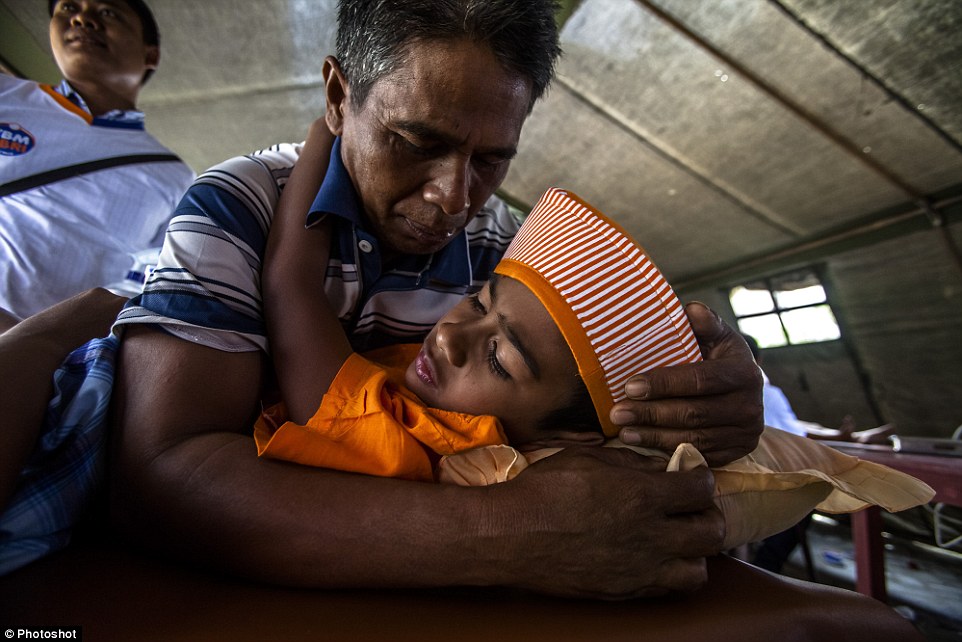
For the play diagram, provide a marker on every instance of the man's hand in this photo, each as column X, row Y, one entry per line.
column 716, row 405
column 614, row 525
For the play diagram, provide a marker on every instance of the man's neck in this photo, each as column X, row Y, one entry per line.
column 101, row 99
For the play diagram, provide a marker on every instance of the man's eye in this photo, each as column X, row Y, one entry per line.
column 108, row 13
column 489, row 162
column 412, row 147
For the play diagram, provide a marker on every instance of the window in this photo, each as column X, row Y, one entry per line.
column 783, row 310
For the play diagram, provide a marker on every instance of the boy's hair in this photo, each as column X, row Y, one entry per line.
column 373, row 36
column 578, row 416
column 147, row 22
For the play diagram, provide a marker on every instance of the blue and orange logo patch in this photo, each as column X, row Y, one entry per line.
column 15, row 140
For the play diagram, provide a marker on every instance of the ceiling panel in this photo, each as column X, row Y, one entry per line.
column 714, row 130
column 684, row 99
column 805, row 67
column 913, row 46
column 664, row 206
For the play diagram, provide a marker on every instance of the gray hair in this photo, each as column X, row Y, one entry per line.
column 373, row 36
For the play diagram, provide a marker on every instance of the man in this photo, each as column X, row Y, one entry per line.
column 83, row 187
column 428, row 99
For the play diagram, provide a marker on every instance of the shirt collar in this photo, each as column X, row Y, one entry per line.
column 123, row 118
column 338, row 197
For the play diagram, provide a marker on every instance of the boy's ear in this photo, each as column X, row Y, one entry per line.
column 336, row 92
column 565, row 438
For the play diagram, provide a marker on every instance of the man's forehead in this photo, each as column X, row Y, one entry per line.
column 420, row 111
column 121, row 6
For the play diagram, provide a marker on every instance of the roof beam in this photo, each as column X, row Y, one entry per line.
column 836, row 137
column 881, row 226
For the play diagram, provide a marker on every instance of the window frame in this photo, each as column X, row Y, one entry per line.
column 778, row 310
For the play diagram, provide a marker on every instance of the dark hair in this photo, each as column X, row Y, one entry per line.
column 147, row 22
column 752, row 344
column 578, row 416
column 373, row 36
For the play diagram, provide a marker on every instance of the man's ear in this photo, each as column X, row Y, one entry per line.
column 151, row 56
column 337, row 94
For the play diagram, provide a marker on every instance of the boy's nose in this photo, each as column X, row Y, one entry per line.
column 451, row 341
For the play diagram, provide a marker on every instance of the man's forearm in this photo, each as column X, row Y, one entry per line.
column 188, row 480
column 211, row 499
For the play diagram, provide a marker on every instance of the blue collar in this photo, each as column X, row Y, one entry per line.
column 118, row 118
column 337, row 197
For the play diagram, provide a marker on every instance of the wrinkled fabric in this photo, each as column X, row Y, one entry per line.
column 368, row 422
column 763, row 493
column 67, row 465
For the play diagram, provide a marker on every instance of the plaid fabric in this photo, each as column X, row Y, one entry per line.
column 67, row 464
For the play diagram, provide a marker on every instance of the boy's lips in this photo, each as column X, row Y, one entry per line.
column 425, row 368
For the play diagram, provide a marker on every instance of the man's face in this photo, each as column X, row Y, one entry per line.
column 432, row 141
column 100, row 41
column 497, row 353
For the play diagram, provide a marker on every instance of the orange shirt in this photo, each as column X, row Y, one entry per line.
column 368, row 422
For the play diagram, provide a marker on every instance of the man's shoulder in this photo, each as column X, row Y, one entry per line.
column 13, row 88
column 273, row 164
column 495, row 222
column 6, row 81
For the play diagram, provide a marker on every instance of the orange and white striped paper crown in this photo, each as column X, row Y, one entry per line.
column 616, row 311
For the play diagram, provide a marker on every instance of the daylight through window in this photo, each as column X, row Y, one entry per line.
column 786, row 309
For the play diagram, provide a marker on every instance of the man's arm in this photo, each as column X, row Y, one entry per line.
column 716, row 404
column 587, row 522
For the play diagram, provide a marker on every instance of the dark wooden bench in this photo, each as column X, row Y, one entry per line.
column 115, row 593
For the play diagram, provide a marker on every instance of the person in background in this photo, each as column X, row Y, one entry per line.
column 83, row 187
column 780, row 414
column 778, row 411
column 772, row 552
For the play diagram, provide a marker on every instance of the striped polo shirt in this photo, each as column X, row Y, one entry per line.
column 206, row 286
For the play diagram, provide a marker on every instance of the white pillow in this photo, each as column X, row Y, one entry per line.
column 761, row 494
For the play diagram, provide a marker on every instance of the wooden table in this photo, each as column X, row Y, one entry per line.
column 943, row 474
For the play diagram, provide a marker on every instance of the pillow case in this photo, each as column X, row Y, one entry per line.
column 763, row 493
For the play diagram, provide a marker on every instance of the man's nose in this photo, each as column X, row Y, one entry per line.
column 450, row 188
column 86, row 16
column 452, row 339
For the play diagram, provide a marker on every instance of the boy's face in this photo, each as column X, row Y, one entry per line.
column 100, row 40
column 431, row 142
column 497, row 353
